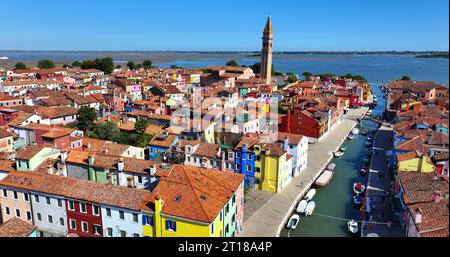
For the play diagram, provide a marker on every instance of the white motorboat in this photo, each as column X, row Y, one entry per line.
column 331, row 166
column 370, row 138
column 369, row 113
column 358, row 188
column 352, row 226
column 338, row 154
column 357, row 200
column 293, row 221
column 363, row 171
column 368, row 143
column 301, row 207
column 310, row 208
column 324, row 179
column 309, row 196
column 351, row 137
column 355, row 131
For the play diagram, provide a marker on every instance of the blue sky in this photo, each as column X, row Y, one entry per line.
column 230, row 25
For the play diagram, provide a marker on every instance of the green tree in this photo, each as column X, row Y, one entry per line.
column 119, row 67
column 232, row 63
column 21, row 66
column 142, row 140
column 88, row 65
column 76, row 64
column 106, row 65
column 175, row 67
column 131, row 65
column 138, row 66
column 291, row 77
column 46, row 64
column 348, row 76
column 124, row 139
column 307, row 74
column 359, row 77
column 86, row 118
column 406, row 77
column 106, row 131
column 147, row 64
column 140, row 126
column 256, row 68
column 65, row 66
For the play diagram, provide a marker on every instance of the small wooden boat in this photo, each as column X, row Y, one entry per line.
column 358, row 188
column 331, row 166
column 364, row 132
column 343, row 148
column 310, row 208
column 309, row 196
column 357, row 200
column 293, row 221
column 351, row 137
column 301, row 207
column 355, row 131
column 338, row 154
column 324, row 179
column 352, row 226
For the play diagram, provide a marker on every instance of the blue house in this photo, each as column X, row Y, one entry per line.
column 244, row 163
column 159, row 146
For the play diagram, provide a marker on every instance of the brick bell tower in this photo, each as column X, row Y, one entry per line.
column 266, row 52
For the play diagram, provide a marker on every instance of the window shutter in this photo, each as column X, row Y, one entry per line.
column 144, row 220
column 167, row 224
column 151, row 220
column 174, row 226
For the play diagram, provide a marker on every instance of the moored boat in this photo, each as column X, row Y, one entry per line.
column 358, row 188
column 324, row 179
column 363, row 171
column 310, row 194
column 343, row 148
column 370, row 137
column 338, row 154
column 368, row 143
column 310, row 208
column 301, row 207
column 293, row 221
column 364, row 132
column 351, row 137
column 357, row 200
column 352, row 226
column 368, row 153
column 331, row 166
column 365, row 161
column 355, row 131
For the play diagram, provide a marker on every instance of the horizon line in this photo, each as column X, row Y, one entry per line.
column 222, row 51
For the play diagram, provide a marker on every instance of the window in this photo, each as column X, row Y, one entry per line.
column 47, row 199
column 249, row 168
column 135, row 235
column 147, row 220
column 38, row 216
column 121, row 215
column 28, row 215
column 171, row 225
column 59, row 203
column 110, row 232
column 249, row 156
column 97, row 229
column 73, row 224
column 15, row 195
column 17, row 213
column 238, row 166
column 5, row 193
column 257, row 169
column 61, row 221
column 140, row 179
column 95, row 210
column 135, row 218
column 7, row 210
column 123, row 233
column 84, row 226
column 234, row 199
column 71, row 205
column 220, row 216
column 238, row 155
column 83, row 208
column 50, row 219
column 227, row 208
column 36, row 198
column 108, row 212
column 25, row 197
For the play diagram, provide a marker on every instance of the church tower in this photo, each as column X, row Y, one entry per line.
column 266, row 52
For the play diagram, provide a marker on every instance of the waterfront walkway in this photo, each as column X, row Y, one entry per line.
column 382, row 209
column 271, row 216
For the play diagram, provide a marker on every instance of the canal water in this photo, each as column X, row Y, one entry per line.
column 334, row 203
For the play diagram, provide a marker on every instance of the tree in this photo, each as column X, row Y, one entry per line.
column 232, row 63
column 65, row 66
column 348, row 76
column 291, row 77
column 307, row 74
column 147, row 64
column 106, row 131
column 138, row 66
column 46, row 64
column 88, row 65
column 131, row 65
column 175, row 67
column 21, row 66
column 142, row 140
column 406, row 77
column 256, row 68
column 86, row 118
column 106, row 65
column 119, row 67
column 140, row 126
column 359, row 77
column 76, row 64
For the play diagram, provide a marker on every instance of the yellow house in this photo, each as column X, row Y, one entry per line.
column 414, row 162
column 209, row 133
column 270, row 167
column 192, row 202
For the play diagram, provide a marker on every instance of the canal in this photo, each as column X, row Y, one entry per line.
column 334, row 203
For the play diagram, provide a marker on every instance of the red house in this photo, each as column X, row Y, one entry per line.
column 83, row 219
column 7, row 115
column 311, row 123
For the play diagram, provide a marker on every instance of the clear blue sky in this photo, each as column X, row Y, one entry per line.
column 224, row 25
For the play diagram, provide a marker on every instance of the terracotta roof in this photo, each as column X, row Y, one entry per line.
column 408, row 156
column 294, row 139
column 5, row 133
column 207, row 150
column 28, row 152
column 195, row 193
column 103, row 146
column 435, row 219
column 80, row 189
column 16, row 227
column 420, row 187
column 163, row 142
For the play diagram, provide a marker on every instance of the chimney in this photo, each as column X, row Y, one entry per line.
column 152, row 170
column 50, row 169
column 418, row 216
column 286, row 143
column 120, row 164
column 91, row 160
column 63, row 156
